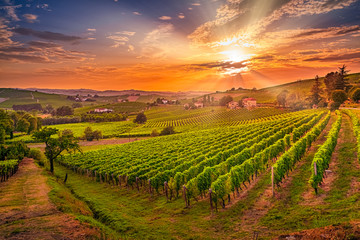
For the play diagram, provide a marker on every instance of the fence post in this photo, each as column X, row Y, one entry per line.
column 272, row 181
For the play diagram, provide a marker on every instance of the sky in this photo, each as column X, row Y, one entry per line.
column 174, row 45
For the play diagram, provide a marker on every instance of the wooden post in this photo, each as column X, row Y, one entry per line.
column 211, row 203
column 112, row 179
column 184, row 195
column 137, row 184
column 95, row 176
column 126, row 182
column 149, row 181
column 119, row 177
column 166, row 190
column 272, row 181
column 315, row 172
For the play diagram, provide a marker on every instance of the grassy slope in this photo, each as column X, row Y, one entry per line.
column 268, row 95
column 25, row 97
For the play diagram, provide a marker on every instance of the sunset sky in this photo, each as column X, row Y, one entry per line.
column 175, row 45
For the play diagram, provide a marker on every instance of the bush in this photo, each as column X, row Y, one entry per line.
column 38, row 156
column 90, row 135
column 356, row 95
column 154, row 133
column 167, row 131
column 17, row 150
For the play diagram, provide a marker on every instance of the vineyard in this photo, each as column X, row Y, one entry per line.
column 223, row 160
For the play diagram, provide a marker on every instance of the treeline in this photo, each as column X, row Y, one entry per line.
column 104, row 117
column 17, row 121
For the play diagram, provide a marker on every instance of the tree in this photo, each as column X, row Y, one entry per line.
column 140, row 118
column 55, row 146
column 356, row 95
column 64, row 111
column 281, row 98
column 6, row 123
column 2, row 136
column 167, row 131
column 342, row 83
column 33, row 124
column 23, row 125
column 339, row 96
column 330, row 80
column 225, row 100
column 316, row 91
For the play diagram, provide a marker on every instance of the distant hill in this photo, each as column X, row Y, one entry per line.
column 58, row 97
column 74, row 92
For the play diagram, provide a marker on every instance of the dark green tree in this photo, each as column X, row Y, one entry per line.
column 140, row 118
column 64, row 111
column 341, row 82
column 316, row 91
column 55, row 146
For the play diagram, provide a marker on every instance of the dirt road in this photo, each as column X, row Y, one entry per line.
column 27, row 213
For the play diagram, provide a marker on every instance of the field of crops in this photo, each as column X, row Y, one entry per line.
column 222, row 159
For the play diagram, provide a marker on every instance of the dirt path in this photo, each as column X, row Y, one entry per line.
column 27, row 213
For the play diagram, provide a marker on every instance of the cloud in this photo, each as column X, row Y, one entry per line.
column 340, row 56
column 41, row 44
column 154, row 43
column 10, row 10
column 238, row 18
column 127, row 33
column 137, row 13
column 46, row 35
column 23, row 58
column 44, row 6
column 121, row 38
column 196, row 4
column 181, row 16
column 30, row 18
column 35, row 51
column 164, row 18
column 91, row 29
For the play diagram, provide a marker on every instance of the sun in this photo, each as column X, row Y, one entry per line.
column 235, row 55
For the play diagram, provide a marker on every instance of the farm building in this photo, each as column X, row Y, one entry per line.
column 199, row 104
column 103, row 110
column 233, row 105
column 249, row 102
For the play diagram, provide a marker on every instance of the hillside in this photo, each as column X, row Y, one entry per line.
column 268, row 95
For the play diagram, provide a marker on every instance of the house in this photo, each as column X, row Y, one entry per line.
column 249, row 102
column 103, row 110
column 164, row 101
column 199, row 104
column 233, row 105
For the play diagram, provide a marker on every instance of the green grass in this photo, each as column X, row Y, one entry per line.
column 29, row 97
column 66, row 202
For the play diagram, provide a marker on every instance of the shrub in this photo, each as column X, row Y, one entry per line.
column 17, row 150
column 154, row 133
column 167, row 131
